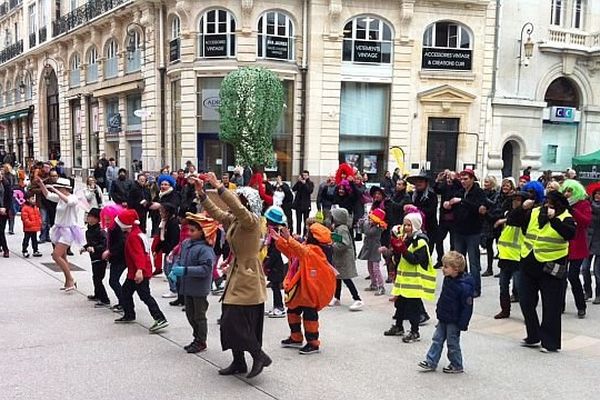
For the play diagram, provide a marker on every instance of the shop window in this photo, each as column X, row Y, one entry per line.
column 92, row 67
column 111, row 65
column 134, row 58
column 577, row 22
column 113, row 117
column 556, row 12
column 284, row 134
column 367, row 40
column 217, row 34
column 552, row 155
column 364, row 120
column 175, row 43
column 74, row 73
column 447, row 46
column 275, row 36
column 134, row 102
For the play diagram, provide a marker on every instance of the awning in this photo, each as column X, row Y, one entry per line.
column 15, row 114
column 126, row 87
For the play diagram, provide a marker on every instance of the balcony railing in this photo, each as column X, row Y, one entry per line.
column 111, row 67
column 92, row 73
column 11, row 51
column 83, row 14
column 43, row 34
column 14, row 3
column 32, row 38
column 134, row 61
column 572, row 40
column 74, row 78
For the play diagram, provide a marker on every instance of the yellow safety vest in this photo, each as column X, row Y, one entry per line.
column 510, row 243
column 412, row 281
column 546, row 244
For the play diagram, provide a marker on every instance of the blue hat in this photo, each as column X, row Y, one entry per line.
column 537, row 188
column 275, row 215
column 167, row 178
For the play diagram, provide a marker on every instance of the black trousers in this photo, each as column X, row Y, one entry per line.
column 444, row 229
column 114, row 280
column 277, row 297
column 301, row 216
column 576, row 287
column 195, row 311
column 34, row 242
column 350, row 285
column 143, row 291
column 410, row 309
column 533, row 282
column 98, row 274
column 3, row 244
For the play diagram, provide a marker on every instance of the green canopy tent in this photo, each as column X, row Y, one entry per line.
column 587, row 167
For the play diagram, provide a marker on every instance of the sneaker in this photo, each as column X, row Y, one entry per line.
column 124, row 320
column 91, row 297
column 411, row 337
column 158, row 325
column 277, row 313
column 176, row 303
column 25, row 254
column 581, row 314
column 514, row 299
column 102, row 305
column 451, row 369
column 547, row 351
column 291, row 344
column 380, row 291
column 394, row 331
column 169, row 295
column 527, row 343
column 334, row 303
column 596, row 300
column 309, row 349
column 424, row 319
column 196, row 347
column 157, row 272
column 389, row 280
column 218, row 292
column 117, row 308
column 357, row 305
column 37, row 254
column 371, row 289
column 426, row 367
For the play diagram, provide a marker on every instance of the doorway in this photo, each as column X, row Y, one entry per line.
column 442, row 143
column 53, row 116
column 511, row 159
column 214, row 155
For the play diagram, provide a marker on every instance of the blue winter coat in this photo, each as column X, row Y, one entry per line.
column 198, row 259
column 455, row 305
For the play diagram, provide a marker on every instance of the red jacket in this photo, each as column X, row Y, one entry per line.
column 31, row 217
column 582, row 214
column 137, row 253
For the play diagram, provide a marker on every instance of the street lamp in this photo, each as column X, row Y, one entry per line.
column 526, row 47
column 132, row 36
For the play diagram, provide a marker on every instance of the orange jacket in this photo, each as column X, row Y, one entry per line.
column 32, row 219
column 313, row 283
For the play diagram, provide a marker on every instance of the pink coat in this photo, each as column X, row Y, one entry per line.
column 579, row 246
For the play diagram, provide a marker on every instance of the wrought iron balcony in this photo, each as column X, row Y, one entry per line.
column 11, row 51
column 43, row 34
column 32, row 41
column 83, row 14
column 14, row 3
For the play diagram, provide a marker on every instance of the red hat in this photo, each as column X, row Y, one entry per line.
column 525, row 178
column 378, row 216
column 127, row 218
column 593, row 188
column 469, row 172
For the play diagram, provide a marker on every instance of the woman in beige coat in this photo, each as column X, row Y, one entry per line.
column 245, row 293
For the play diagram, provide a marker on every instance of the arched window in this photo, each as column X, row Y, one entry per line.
column 275, row 36
column 134, row 58
column 175, row 43
column 556, row 13
column 367, row 40
column 92, row 65
column 217, row 34
column 175, row 28
column 578, row 13
column 448, row 46
column 111, row 67
column 9, row 94
column 74, row 73
column 1, row 97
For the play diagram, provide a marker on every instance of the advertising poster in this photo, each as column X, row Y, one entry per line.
column 352, row 159
column 370, row 164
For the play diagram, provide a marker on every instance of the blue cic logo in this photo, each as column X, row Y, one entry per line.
column 565, row 112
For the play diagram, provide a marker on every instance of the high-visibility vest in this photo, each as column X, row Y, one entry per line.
column 412, row 281
column 546, row 244
column 510, row 243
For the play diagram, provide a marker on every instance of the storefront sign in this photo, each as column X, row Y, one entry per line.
column 562, row 114
column 367, row 51
column 142, row 113
column 114, row 123
column 210, row 105
column 95, row 118
column 277, row 47
column 215, row 46
column 450, row 59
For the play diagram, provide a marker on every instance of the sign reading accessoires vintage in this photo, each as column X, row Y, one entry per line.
column 215, row 46
column 449, row 59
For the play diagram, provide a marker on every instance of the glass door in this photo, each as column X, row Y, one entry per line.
column 442, row 142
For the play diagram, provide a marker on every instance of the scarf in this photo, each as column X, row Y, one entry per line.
column 166, row 192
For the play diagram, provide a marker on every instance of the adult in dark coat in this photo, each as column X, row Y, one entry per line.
column 288, row 200
column 394, row 212
column 302, row 202
column 387, row 184
column 119, row 190
column 447, row 186
column 326, row 197
column 425, row 199
column 140, row 200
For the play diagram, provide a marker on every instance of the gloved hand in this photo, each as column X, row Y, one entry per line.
column 336, row 237
column 177, row 270
column 398, row 245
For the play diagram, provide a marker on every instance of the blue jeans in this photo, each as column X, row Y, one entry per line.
column 167, row 270
column 44, row 235
column 506, row 274
column 468, row 246
column 450, row 334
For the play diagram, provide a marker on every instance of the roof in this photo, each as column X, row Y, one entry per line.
column 587, row 159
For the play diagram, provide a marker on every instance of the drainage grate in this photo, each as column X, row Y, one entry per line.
column 52, row 266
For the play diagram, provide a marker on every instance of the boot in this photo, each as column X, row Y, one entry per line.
column 505, row 306
column 238, row 366
column 261, row 360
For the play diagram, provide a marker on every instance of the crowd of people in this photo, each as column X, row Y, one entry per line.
column 229, row 236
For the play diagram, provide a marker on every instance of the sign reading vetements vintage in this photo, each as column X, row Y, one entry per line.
column 451, row 59
column 366, row 51
column 277, row 47
column 215, row 46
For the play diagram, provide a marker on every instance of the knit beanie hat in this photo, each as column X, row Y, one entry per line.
column 415, row 220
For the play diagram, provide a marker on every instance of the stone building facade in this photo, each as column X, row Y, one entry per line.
column 139, row 80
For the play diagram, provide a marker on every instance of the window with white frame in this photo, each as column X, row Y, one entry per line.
column 92, row 65
column 557, row 12
column 577, row 21
column 111, row 66
column 73, row 4
column 217, row 34
column 175, row 28
column 447, row 45
column 175, row 43
column 275, row 36
column 32, row 19
column 74, row 73
column 43, row 10
column 17, row 91
column 134, row 58
column 28, row 88
column 367, row 40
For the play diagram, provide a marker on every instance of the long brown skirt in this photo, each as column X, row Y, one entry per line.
column 242, row 327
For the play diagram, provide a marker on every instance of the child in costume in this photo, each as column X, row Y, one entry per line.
column 373, row 228
column 309, row 284
column 273, row 263
column 115, row 252
column 415, row 279
column 454, row 311
column 95, row 246
column 32, row 224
